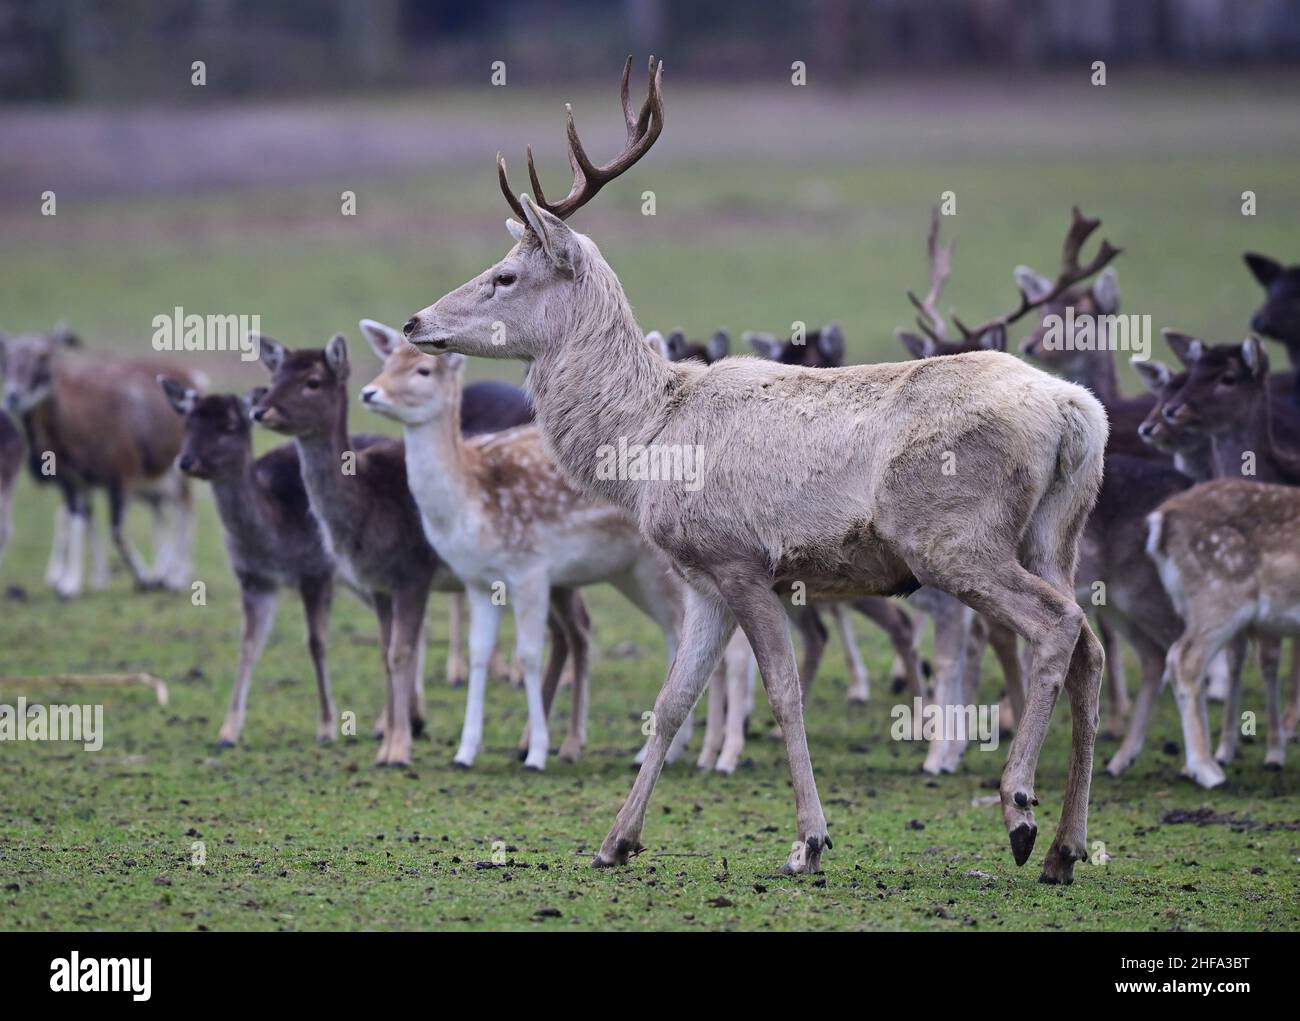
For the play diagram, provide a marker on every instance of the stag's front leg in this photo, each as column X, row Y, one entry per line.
column 706, row 625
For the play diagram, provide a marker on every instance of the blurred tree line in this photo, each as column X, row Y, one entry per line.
column 133, row 49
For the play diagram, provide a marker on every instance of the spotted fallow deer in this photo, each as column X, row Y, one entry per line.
column 840, row 482
column 102, row 423
column 509, row 524
column 368, row 519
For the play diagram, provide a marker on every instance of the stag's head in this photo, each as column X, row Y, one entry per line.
column 1279, row 316
column 27, row 364
column 218, row 433
column 309, row 388
column 413, row 387
column 1225, row 384
column 554, row 280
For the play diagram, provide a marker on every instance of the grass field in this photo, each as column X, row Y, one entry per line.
column 771, row 207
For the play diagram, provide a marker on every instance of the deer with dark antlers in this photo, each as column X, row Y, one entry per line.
column 835, row 482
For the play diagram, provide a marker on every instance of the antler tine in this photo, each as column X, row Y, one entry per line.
column 643, row 129
column 940, row 262
column 511, row 197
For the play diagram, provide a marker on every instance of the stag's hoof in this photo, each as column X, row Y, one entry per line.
column 1058, row 866
column 570, row 750
column 608, row 858
column 806, row 857
column 1207, row 774
column 1022, row 842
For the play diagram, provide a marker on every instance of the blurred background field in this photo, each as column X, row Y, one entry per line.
column 773, row 203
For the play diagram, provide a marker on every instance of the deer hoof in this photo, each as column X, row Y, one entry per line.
column 1058, row 866
column 618, row 855
column 417, row 728
column 806, row 857
column 224, row 743
column 1022, row 842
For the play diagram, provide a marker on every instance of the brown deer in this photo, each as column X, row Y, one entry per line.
column 368, row 518
column 102, row 423
column 837, row 482
column 11, row 461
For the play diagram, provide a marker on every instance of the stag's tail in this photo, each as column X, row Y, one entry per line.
column 1051, row 544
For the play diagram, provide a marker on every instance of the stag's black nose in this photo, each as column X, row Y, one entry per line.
column 368, row 394
column 411, row 324
column 258, row 413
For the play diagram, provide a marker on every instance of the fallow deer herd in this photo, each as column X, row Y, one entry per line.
column 1018, row 503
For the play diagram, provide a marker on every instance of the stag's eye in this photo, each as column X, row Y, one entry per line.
column 424, row 370
column 313, row 384
column 504, row 279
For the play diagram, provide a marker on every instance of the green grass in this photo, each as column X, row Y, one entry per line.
column 299, row 836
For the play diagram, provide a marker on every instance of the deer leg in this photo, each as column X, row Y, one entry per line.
column 903, row 636
column 761, row 614
column 860, row 687
column 952, row 637
column 1292, row 721
column 98, row 550
column 530, row 597
column 649, row 590
column 1007, row 651
column 317, row 597
column 706, row 626
column 69, row 584
column 6, row 515
column 738, row 660
column 382, row 604
column 1152, row 658
column 575, row 630
column 814, row 635
column 1270, row 658
column 1117, row 701
column 1050, row 622
column 258, row 598
column 1229, row 664
column 182, row 507
column 116, row 510
column 403, row 660
column 1186, row 663
column 59, row 546
column 715, row 724
column 456, row 640
column 484, row 621
column 558, row 624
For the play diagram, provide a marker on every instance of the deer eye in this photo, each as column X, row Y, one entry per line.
column 1228, row 379
column 504, row 279
column 313, row 384
column 424, row 370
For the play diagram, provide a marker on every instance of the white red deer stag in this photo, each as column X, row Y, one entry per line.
column 833, row 479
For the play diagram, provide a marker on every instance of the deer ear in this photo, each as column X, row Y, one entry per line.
column 252, row 399
column 62, row 334
column 1155, row 375
column 656, row 340
column 1255, row 357
column 993, row 339
column 830, row 343
column 181, row 397
column 554, row 236
column 917, row 346
column 336, row 355
column 1186, row 348
column 763, row 344
column 384, row 340
column 1105, row 291
column 1034, row 284
column 719, row 345
column 1264, row 269
column 269, row 352
column 516, row 229
column 675, row 345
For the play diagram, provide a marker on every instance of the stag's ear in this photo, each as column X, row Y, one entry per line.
column 1155, row 375
column 1255, row 357
column 269, row 352
column 830, row 344
column 1105, row 291
column 182, row 398
column 516, row 229
column 1034, row 284
column 719, row 346
column 993, row 339
column 553, row 234
column 1264, row 269
column 762, row 344
column 252, row 399
column 917, row 346
column 336, row 355
column 656, row 341
column 1186, row 348
column 384, row 340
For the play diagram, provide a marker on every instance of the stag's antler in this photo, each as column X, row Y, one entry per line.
column 1081, row 228
column 930, row 319
column 642, row 130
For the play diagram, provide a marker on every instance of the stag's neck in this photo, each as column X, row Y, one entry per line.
column 438, row 470
column 602, row 384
